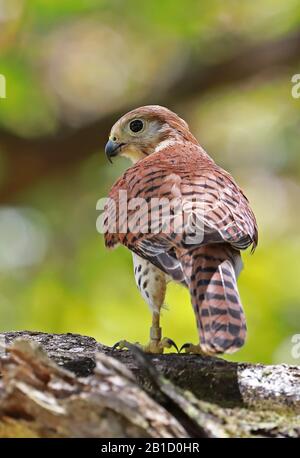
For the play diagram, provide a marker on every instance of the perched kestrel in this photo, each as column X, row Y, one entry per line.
column 195, row 241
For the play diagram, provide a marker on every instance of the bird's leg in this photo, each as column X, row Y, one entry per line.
column 151, row 282
column 157, row 344
column 155, row 330
column 155, row 334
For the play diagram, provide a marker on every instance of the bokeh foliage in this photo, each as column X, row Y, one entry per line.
column 71, row 63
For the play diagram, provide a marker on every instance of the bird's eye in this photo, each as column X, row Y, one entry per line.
column 136, row 125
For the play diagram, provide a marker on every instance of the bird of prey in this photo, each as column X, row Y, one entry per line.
column 200, row 249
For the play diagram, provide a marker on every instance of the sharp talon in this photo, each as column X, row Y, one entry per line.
column 172, row 344
column 192, row 349
column 184, row 346
column 121, row 345
column 153, row 347
column 115, row 347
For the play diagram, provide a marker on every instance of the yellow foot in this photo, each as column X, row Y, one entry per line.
column 154, row 346
column 158, row 346
column 194, row 349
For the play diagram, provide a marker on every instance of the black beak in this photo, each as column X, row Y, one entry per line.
column 112, row 149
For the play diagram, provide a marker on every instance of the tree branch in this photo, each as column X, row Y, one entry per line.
column 136, row 395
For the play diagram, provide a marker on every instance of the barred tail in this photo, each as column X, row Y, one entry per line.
column 211, row 272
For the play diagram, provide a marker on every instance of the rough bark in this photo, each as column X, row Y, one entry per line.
column 72, row 386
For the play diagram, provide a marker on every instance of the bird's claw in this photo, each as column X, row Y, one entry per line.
column 154, row 346
column 122, row 344
column 193, row 349
column 166, row 342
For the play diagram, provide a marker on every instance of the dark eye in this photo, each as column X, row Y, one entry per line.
column 136, row 125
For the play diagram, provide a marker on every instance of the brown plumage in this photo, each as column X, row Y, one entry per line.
column 171, row 165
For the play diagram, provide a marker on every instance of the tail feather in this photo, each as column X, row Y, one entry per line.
column 211, row 272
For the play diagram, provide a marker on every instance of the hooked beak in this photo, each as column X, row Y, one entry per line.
column 112, row 149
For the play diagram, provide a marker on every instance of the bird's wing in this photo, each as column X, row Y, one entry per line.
column 224, row 210
column 206, row 192
column 167, row 262
column 156, row 250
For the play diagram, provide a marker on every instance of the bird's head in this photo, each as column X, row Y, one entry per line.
column 142, row 132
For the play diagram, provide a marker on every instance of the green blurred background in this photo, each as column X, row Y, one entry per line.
column 72, row 67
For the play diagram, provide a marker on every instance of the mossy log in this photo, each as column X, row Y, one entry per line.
column 68, row 385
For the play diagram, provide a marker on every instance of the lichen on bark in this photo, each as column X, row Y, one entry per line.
column 69, row 385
